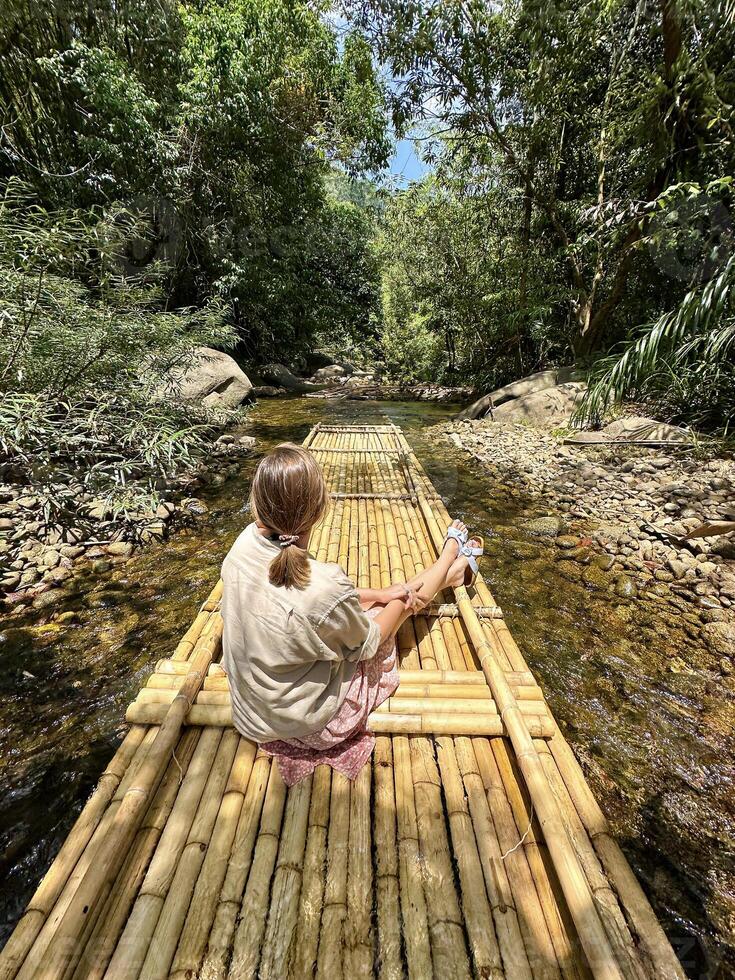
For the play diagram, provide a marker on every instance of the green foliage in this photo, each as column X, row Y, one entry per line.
column 563, row 135
column 85, row 359
column 684, row 361
column 411, row 351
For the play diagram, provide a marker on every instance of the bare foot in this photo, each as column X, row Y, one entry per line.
column 452, row 542
column 455, row 575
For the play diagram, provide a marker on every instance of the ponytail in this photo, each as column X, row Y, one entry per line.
column 289, row 495
column 290, row 568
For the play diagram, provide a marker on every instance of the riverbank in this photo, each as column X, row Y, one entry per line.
column 38, row 558
column 616, row 517
column 656, row 746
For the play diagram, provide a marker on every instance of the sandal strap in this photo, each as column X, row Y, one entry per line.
column 460, row 536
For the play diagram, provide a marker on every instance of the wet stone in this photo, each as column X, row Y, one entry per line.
column 567, row 541
column 625, row 587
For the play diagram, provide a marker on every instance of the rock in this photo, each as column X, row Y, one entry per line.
column 194, row 505
column 567, row 541
column 279, row 375
column 725, row 549
column 49, row 599
column 155, row 531
column 581, row 555
column 50, row 559
column 212, row 378
column 29, row 576
column 677, row 567
column 226, row 439
column 164, row 511
column 66, row 618
column 625, row 587
column 268, row 391
column 330, row 373
column 543, row 527
column 10, row 581
column 59, row 575
column 518, row 389
column 247, row 442
column 557, row 402
column 720, row 638
column 605, row 562
column 120, row 549
column 661, row 575
column 71, row 551
column 100, row 565
column 100, row 510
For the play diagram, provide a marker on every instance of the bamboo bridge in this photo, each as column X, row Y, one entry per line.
column 470, row 846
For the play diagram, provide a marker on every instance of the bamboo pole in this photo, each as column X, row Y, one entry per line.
column 44, row 898
column 100, row 946
column 331, row 937
column 136, row 938
column 170, row 922
column 286, row 885
column 312, row 888
column 260, row 789
column 510, row 940
column 446, row 924
column 573, row 881
column 386, row 864
column 646, row 926
column 414, row 912
column 85, row 905
column 561, row 928
column 359, row 953
column 246, row 948
column 193, row 940
column 439, row 722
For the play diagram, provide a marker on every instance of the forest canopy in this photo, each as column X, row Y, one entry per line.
column 576, row 205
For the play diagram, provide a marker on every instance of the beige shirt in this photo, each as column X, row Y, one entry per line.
column 290, row 654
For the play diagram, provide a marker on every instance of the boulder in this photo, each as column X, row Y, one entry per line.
column 635, row 429
column 280, row 376
column 330, row 373
column 214, row 379
column 267, row 391
column 557, row 402
column 518, row 389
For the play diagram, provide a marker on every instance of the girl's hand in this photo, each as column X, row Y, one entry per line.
column 408, row 596
column 399, row 591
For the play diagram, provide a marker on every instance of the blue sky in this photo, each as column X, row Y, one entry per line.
column 406, row 165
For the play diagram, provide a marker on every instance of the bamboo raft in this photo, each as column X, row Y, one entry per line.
column 471, row 846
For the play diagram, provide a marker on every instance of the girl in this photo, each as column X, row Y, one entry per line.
column 308, row 655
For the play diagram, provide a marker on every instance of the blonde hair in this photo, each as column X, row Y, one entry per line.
column 289, row 495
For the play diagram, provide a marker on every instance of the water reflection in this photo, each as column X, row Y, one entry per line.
column 656, row 745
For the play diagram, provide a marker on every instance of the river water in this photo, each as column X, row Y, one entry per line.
column 657, row 746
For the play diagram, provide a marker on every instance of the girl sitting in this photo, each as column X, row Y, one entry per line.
column 309, row 655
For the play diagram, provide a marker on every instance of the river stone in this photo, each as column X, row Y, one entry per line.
column 567, row 541
column 543, row 527
column 720, row 638
column 247, row 442
column 605, row 562
column 280, row 376
column 267, row 391
column 194, row 505
column 120, row 549
column 625, row 587
column 212, row 378
column 580, row 555
column 65, row 618
column 100, row 565
column 48, row 599
column 594, row 576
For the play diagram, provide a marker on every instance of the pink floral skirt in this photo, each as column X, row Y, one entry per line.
column 345, row 744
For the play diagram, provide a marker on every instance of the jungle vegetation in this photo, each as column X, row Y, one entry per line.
column 173, row 174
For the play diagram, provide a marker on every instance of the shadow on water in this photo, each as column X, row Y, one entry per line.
column 656, row 746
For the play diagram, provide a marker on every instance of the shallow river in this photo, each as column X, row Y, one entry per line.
column 657, row 746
